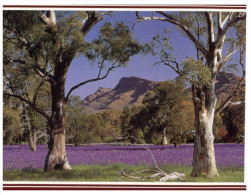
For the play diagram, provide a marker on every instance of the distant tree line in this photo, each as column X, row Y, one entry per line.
column 95, row 128
column 165, row 116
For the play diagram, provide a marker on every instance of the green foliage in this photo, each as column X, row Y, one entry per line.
column 157, row 138
column 125, row 119
column 234, row 121
column 195, row 72
column 12, row 126
column 109, row 139
column 113, row 45
column 159, row 45
column 127, row 114
column 95, row 128
column 196, row 23
column 128, row 118
column 238, row 38
column 190, row 70
column 217, row 127
column 46, row 47
column 110, row 125
column 76, row 121
column 33, row 48
column 162, row 112
column 166, row 110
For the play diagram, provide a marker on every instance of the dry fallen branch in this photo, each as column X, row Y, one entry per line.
column 133, row 177
column 172, row 176
column 157, row 171
column 147, row 170
column 164, row 177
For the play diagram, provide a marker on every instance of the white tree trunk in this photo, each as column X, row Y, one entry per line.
column 33, row 142
column 164, row 138
column 204, row 156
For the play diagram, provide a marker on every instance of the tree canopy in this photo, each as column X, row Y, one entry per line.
column 41, row 45
column 163, row 114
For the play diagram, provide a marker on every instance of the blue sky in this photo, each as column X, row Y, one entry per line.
column 139, row 66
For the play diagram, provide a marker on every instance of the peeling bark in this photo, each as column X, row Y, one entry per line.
column 56, row 157
column 33, row 142
column 204, row 163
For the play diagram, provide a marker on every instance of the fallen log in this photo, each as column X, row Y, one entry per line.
column 164, row 177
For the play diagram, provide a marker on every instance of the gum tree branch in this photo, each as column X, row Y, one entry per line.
column 238, row 17
column 210, row 29
column 93, row 18
column 43, row 134
column 98, row 78
column 168, row 63
column 186, row 30
column 48, row 117
column 231, row 96
column 223, row 62
column 37, row 91
column 49, row 18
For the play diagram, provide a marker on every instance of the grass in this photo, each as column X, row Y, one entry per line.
column 97, row 173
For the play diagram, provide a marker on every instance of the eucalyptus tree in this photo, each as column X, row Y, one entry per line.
column 162, row 112
column 12, row 124
column 35, row 126
column 43, row 44
column 216, row 36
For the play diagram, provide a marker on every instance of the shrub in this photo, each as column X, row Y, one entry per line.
column 108, row 139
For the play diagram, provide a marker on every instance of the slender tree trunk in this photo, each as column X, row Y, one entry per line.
column 32, row 136
column 203, row 156
column 164, row 138
column 32, row 142
column 56, row 157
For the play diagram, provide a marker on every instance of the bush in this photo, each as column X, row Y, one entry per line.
column 157, row 138
column 96, row 139
column 109, row 139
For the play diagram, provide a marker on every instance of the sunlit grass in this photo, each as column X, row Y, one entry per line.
column 91, row 173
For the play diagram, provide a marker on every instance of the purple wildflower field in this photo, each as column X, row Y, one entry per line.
column 20, row 157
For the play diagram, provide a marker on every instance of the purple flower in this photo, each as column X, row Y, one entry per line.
column 20, row 156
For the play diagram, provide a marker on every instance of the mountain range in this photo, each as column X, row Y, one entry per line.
column 131, row 90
